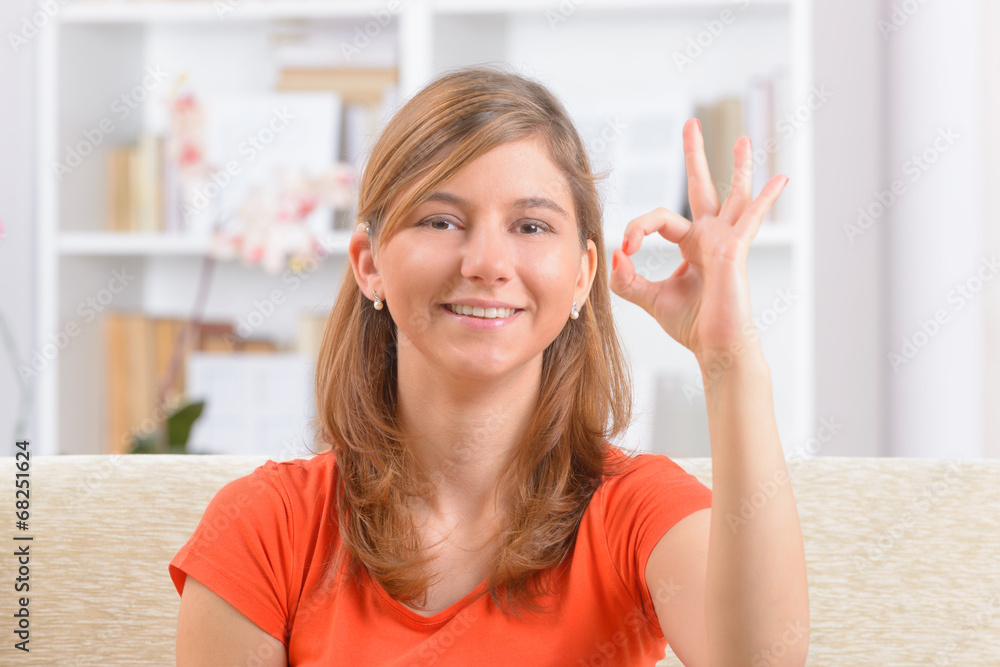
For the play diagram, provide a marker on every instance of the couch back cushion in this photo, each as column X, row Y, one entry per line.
column 903, row 555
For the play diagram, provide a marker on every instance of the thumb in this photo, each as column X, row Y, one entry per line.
column 628, row 284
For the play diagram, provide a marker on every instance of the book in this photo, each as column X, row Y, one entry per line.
column 117, row 398
column 119, row 184
column 135, row 192
column 366, row 93
column 310, row 335
column 355, row 85
column 140, row 352
column 756, row 113
column 721, row 125
column 758, row 122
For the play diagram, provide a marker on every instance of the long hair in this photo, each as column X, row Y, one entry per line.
column 585, row 394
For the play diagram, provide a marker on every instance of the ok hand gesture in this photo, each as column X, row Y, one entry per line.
column 705, row 304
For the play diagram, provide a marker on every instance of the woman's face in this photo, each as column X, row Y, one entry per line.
column 502, row 231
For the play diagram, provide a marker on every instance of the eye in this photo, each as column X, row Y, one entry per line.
column 541, row 227
column 432, row 221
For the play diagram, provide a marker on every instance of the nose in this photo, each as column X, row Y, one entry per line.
column 488, row 256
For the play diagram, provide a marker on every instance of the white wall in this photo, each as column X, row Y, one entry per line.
column 850, row 368
column 991, row 224
column 17, row 248
column 934, row 86
column 893, row 91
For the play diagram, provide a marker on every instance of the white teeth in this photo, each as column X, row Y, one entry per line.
column 485, row 313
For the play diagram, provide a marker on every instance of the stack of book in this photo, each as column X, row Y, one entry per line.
column 139, row 351
column 363, row 91
column 135, row 185
column 757, row 113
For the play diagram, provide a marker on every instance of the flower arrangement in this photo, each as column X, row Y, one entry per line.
column 272, row 227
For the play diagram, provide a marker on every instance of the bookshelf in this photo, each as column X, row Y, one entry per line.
column 591, row 54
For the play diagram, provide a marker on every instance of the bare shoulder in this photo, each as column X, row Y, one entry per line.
column 675, row 577
column 210, row 631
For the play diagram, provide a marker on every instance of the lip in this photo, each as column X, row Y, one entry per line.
column 479, row 323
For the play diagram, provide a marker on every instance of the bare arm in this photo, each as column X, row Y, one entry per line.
column 729, row 584
column 751, row 588
column 211, row 632
column 757, row 598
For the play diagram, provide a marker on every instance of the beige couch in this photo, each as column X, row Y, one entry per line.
column 903, row 556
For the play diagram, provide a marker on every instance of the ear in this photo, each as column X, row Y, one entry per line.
column 359, row 251
column 588, row 269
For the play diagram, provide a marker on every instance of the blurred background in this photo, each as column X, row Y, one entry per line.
column 178, row 181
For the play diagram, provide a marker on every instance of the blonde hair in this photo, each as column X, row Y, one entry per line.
column 585, row 394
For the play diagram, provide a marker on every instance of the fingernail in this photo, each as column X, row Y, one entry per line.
column 614, row 262
column 625, row 245
column 698, row 123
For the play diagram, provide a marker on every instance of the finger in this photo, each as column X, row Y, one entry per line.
column 670, row 225
column 741, row 190
column 701, row 191
column 750, row 221
column 628, row 284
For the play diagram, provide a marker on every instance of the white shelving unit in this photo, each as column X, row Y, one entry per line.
column 611, row 52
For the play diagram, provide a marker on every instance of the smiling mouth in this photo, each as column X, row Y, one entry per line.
column 482, row 313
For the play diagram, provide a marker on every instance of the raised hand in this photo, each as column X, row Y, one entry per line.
column 705, row 304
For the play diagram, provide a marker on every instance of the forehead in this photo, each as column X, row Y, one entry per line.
column 517, row 166
column 512, row 172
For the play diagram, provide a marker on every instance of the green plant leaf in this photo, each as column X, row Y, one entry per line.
column 179, row 424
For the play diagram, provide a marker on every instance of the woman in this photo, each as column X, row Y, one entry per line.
column 468, row 507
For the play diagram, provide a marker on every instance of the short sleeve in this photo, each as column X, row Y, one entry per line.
column 640, row 506
column 242, row 549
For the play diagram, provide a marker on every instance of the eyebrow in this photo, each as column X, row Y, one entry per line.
column 524, row 202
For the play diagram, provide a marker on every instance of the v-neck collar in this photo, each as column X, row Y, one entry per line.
column 440, row 617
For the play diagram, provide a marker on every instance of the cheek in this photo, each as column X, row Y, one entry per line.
column 552, row 276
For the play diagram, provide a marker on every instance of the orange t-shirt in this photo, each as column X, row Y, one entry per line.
column 265, row 537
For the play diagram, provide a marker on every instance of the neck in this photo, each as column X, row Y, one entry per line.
column 464, row 432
